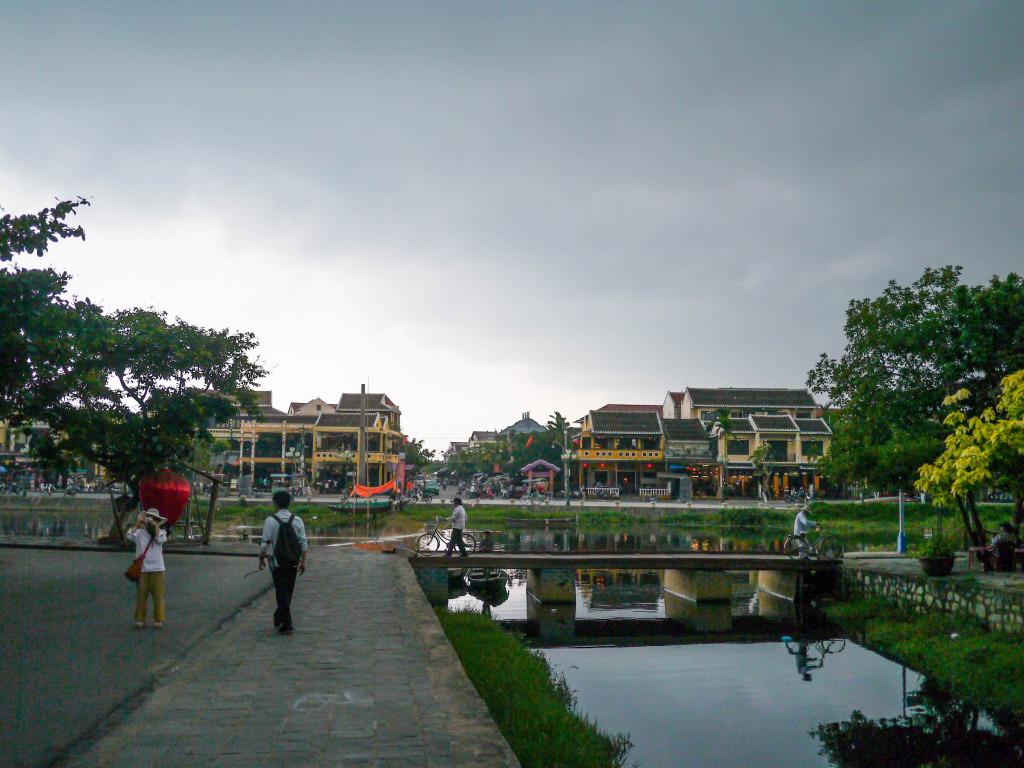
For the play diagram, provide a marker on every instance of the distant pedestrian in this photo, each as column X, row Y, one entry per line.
column 458, row 521
column 284, row 537
column 149, row 539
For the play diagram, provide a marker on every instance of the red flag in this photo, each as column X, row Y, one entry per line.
column 529, row 441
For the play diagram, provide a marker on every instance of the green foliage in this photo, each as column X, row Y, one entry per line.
column 936, row 546
column 534, row 707
column 129, row 390
column 47, row 341
column 906, row 350
column 980, row 666
column 984, row 451
column 749, row 516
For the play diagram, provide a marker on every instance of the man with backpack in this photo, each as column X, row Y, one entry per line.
column 284, row 536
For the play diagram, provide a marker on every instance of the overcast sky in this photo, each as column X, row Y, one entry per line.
column 488, row 208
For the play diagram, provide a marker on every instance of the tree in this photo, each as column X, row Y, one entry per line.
column 46, row 339
column 984, row 451
column 906, row 351
column 129, row 390
column 763, row 459
column 165, row 384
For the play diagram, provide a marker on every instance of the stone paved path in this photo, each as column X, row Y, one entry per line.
column 367, row 679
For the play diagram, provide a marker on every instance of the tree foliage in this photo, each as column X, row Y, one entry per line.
column 906, row 351
column 983, row 451
column 130, row 390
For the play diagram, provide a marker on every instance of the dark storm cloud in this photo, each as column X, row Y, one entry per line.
column 700, row 187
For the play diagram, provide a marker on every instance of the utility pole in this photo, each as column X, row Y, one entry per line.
column 361, row 472
column 566, row 456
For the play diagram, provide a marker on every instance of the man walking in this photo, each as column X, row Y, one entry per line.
column 458, row 521
column 284, row 536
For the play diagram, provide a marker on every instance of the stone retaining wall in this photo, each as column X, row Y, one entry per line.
column 998, row 609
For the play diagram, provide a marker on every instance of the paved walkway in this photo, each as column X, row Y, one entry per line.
column 367, row 679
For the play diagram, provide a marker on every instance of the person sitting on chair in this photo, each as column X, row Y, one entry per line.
column 999, row 553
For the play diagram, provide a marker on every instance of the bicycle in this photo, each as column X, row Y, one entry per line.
column 434, row 541
column 827, row 547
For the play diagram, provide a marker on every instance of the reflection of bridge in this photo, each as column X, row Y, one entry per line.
column 696, row 585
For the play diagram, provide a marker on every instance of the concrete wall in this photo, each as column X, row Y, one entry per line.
column 998, row 609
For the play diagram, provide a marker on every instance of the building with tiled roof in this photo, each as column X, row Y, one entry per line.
column 524, row 426
column 620, row 449
column 704, row 403
column 480, row 436
column 313, row 407
column 317, row 442
column 626, row 407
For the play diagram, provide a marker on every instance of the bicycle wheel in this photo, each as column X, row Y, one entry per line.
column 470, row 541
column 791, row 546
column 830, row 548
column 428, row 544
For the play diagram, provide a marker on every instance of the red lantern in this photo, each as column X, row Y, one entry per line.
column 166, row 491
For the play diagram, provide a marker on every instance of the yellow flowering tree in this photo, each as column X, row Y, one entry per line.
column 985, row 451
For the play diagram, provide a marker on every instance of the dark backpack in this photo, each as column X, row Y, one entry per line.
column 287, row 551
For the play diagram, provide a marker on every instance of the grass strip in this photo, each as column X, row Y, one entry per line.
column 534, row 707
column 977, row 665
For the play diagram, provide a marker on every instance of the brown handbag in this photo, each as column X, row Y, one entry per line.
column 134, row 572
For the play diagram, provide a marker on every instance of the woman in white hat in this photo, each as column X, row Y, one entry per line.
column 149, row 538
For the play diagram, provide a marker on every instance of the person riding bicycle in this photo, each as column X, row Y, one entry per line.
column 801, row 525
column 458, row 521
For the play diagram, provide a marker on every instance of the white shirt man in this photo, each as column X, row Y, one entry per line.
column 458, row 521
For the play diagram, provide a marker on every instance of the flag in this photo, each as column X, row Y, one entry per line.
column 528, row 442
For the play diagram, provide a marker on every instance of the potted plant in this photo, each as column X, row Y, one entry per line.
column 936, row 556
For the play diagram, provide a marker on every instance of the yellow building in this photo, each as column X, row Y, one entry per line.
column 621, row 449
column 323, row 446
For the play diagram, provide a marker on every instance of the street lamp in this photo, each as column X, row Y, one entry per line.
column 567, row 456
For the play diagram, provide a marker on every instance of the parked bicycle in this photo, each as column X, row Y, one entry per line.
column 827, row 546
column 435, row 540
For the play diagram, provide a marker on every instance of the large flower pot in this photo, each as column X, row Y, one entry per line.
column 166, row 491
column 936, row 566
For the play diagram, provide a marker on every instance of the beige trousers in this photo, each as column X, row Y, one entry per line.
column 150, row 584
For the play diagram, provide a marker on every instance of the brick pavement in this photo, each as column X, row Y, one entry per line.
column 367, row 679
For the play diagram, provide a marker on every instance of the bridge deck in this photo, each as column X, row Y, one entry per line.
column 687, row 561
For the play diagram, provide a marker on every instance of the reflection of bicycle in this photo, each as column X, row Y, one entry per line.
column 827, row 547
column 805, row 660
column 435, row 540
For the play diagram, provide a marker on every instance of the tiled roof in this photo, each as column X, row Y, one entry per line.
column 484, row 437
column 774, row 423
column 813, row 427
column 625, row 422
column 296, row 418
column 677, row 397
column 374, row 402
column 293, row 407
column 522, row 427
column 263, row 396
column 728, row 397
column 684, row 429
column 343, row 419
column 625, row 408
column 269, row 411
column 742, row 427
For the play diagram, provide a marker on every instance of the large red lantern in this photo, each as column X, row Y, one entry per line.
column 166, row 491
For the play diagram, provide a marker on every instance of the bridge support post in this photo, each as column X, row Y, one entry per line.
column 556, row 622
column 434, row 583
column 701, row 617
column 779, row 583
column 552, row 585
column 698, row 586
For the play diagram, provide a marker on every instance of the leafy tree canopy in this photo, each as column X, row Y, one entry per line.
column 906, row 351
column 130, row 390
column 983, row 451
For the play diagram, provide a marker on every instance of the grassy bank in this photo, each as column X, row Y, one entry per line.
column 534, row 708
column 982, row 667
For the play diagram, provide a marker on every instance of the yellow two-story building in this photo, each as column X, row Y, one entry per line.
column 620, row 449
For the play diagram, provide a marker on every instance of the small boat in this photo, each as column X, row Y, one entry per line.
column 483, row 578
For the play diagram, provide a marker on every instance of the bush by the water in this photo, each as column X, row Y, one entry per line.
column 533, row 706
column 975, row 664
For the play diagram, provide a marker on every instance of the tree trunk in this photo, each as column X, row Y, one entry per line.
column 1018, row 510
column 978, row 526
column 976, row 540
column 209, row 512
column 117, row 531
